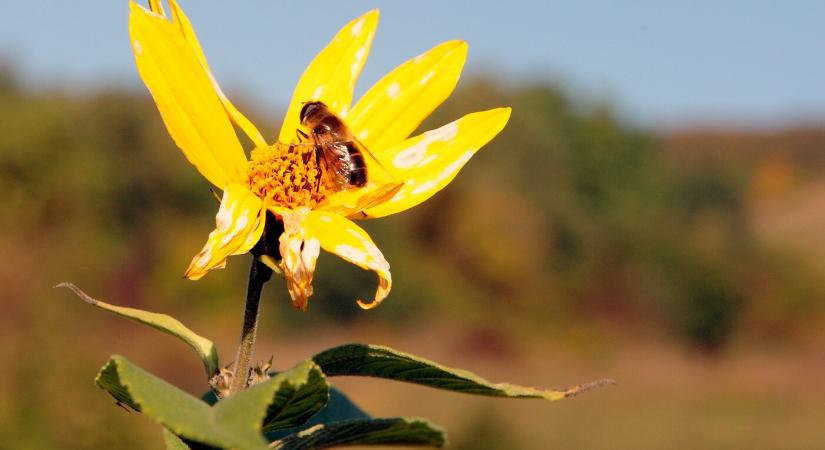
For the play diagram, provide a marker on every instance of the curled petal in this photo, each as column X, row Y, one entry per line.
column 306, row 232
column 185, row 95
column 239, row 225
column 342, row 237
column 428, row 162
column 299, row 253
column 396, row 105
column 331, row 76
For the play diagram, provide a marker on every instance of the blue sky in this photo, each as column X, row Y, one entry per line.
column 661, row 63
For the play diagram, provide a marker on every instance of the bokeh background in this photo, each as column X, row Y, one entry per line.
column 654, row 212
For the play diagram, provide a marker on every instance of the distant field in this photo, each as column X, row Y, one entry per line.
column 795, row 220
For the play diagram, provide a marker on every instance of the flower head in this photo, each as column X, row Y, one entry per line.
column 295, row 179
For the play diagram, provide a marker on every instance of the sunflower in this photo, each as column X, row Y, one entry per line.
column 284, row 179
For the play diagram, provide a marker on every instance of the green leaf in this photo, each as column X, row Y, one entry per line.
column 183, row 414
column 395, row 431
column 338, row 408
column 303, row 391
column 204, row 347
column 235, row 422
column 173, row 442
column 384, row 362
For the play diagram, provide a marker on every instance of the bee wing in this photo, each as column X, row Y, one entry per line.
column 336, row 159
column 376, row 172
column 381, row 186
column 353, row 202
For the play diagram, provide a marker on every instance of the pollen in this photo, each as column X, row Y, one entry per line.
column 286, row 175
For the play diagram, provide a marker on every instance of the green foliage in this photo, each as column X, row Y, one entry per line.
column 291, row 409
column 300, row 396
column 384, row 362
column 338, row 408
column 285, row 400
column 395, row 431
column 173, row 442
column 714, row 303
column 289, row 399
column 205, row 348
column 239, row 422
column 234, row 423
column 280, row 408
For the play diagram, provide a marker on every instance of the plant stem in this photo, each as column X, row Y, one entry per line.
column 258, row 275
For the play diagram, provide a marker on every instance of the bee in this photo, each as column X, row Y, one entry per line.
column 343, row 162
column 339, row 153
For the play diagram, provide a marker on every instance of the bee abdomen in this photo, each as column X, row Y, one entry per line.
column 358, row 167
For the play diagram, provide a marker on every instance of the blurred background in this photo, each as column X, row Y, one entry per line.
column 653, row 212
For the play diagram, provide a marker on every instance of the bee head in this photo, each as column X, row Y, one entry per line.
column 309, row 109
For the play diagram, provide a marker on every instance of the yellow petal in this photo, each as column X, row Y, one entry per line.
column 186, row 97
column 179, row 18
column 349, row 241
column 157, row 7
column 428, row 162
column 240, row 223
column 396, row 105
column 306, row 232
column 353, row 202
column 331, row 76
column 299, row 252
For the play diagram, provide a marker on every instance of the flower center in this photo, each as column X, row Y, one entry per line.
column 286, row 175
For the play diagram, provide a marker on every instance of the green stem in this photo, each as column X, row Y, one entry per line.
column 258, row 275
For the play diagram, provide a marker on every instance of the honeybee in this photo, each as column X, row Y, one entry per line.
column 339, row 153
column 343, row 161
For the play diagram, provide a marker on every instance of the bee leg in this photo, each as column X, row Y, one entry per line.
column 318, row 165
column 301, row 135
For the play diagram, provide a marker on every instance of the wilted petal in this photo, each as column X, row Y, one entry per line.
column 331, row 76
column 186, row 97
column 342, row 237
column 299, row 252
column 396, row 105
column 306, row 232
column 239, row 225
column 428, row 162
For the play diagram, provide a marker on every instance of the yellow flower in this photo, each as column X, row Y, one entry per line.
column 284, row 179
